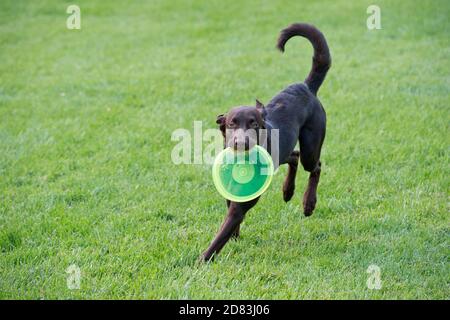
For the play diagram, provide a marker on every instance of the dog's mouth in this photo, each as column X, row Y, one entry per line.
column 240, row 148
column 242, row 145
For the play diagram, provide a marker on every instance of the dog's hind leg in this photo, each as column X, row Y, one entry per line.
column 310, row 147
column 289, row 181
column 310, row 196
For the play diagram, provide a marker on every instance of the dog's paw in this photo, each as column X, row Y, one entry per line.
column 308, row 209
column 205, row 258
column 288, row 193
column 309, row 204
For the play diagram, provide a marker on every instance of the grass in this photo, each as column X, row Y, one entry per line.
column 86, row 178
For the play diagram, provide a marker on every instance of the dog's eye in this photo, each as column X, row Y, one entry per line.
column 231, row 124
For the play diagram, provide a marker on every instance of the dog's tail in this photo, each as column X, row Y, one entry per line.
column 321, row 59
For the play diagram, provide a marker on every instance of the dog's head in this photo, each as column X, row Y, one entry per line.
column 240, row 126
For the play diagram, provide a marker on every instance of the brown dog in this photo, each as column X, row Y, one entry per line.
column 298, row 115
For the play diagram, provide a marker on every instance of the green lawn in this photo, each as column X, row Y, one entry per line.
column 86, row 177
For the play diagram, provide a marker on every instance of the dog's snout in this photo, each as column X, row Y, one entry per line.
column 238, row 141
column 241, row 140
column 241, row 143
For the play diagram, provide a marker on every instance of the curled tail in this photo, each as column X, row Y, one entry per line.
column 321, row 59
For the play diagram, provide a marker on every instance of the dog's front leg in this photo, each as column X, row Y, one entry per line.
column 236, row 213
column 236, row 232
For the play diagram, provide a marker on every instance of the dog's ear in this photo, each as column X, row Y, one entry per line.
column 260, row 107
column 259, row 104
column 221, row 119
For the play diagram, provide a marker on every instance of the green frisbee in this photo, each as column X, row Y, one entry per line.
column 242, row 176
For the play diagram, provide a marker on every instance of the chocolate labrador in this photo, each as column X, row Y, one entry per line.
column 298, row 115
